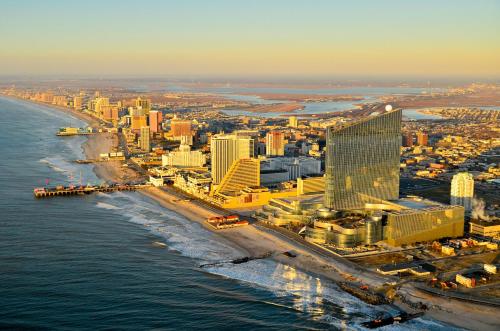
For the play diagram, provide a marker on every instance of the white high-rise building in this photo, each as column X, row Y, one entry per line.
column 294, row 166
column 225, row 149
column 184, row 157
column 462, row 190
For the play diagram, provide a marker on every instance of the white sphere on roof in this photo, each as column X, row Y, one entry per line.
column 388, row 108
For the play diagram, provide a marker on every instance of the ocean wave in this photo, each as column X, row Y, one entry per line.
column 71, row 170
column 51, row 162
column 322, row 299
column 107, row 206
column 190, row 239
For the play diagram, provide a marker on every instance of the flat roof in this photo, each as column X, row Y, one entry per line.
column 312, row 198
column 414, row 203
column 486, row 223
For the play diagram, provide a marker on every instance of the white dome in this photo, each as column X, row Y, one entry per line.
column 388, row 108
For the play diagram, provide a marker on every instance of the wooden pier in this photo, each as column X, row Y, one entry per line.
column 46, row 192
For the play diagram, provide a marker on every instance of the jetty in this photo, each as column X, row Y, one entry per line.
column 239, row 260
column 57, row 191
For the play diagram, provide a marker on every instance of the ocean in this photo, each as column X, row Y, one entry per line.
column 90, row 263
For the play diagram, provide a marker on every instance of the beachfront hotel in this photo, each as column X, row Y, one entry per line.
column 184, row 158
column 362, row 159
column 225, row 150
column 361, row 203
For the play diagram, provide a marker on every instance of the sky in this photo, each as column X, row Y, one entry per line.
column 310, row 38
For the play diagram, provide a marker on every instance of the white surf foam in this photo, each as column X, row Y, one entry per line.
column 107, row 206
column 308, row 293
column 71, row 170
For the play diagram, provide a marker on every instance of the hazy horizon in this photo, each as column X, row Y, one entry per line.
column 259, row 39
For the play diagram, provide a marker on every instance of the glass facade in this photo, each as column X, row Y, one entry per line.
column 362, row 161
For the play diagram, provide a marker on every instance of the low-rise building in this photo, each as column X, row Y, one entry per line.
column 485, row 228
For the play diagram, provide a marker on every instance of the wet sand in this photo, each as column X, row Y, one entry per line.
column 250, row 240
column 110, row 171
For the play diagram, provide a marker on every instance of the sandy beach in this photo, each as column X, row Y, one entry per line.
column 252, row 241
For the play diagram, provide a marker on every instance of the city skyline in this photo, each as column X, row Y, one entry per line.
column 278, row 39
column 283, row 164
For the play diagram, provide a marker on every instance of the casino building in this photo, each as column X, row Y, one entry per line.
column 361, row 204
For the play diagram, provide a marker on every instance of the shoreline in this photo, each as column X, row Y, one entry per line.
column 251, row 240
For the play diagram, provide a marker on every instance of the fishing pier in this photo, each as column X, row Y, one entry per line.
column 47, row 192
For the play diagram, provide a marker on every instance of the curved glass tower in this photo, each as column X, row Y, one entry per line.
column 362, row 161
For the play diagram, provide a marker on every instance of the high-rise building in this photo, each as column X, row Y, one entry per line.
column 60, row 100
column 422, row 138
column 180, row 127
column 134, row 111
column 186, row 140
column 462, row 190
column 137, row 122
column 144, row 104
column 144, row 142
column 155, row 119
column 362, row 160
column 275, row 143
column 100, row 104
column 47, row 97
column 184, row 157
column 292, row 121
column 408, row 140
column 78, row 102
column 225, row 149
column 109, row 113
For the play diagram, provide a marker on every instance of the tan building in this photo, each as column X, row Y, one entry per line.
column 99, row 106
column 310, row 185
column 144, row 104
column 78, row 102
column 180, row 127
column 422, row 224
column 137, row 122
column 225, row 150
column 485, row 228
column 243, row 173
column 144, row 139
column 275, row 143
column 60, row 100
